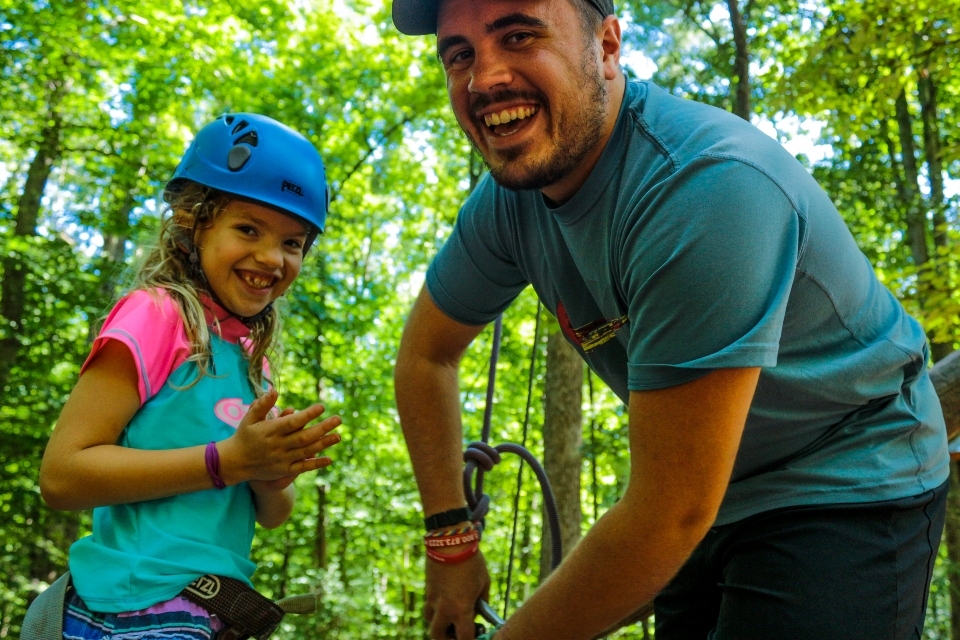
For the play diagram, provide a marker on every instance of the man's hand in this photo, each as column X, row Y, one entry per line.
column 428, row 401
column 451, row 596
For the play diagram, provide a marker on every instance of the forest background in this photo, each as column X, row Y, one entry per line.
column 99, row 100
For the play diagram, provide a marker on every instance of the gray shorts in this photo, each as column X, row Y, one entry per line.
column 844, row 572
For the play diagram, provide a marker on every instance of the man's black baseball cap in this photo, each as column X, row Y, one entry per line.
column 419, row 17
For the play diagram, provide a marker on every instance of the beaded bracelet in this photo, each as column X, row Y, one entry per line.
column 454, row 531
column 436, row 542
column 454, row 558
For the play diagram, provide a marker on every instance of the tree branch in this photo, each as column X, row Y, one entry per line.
column 371, row 149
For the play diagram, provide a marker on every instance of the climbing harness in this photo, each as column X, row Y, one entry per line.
column 480, row 457
column 244, row 612
column 44, row 619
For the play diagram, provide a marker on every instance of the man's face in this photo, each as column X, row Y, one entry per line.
column 526, row 85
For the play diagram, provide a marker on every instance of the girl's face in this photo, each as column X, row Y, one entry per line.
column 250, row 255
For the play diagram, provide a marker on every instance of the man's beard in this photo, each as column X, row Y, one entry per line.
column 575, row 140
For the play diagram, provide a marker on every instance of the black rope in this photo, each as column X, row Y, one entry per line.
column 484, row 456
column 492, row 378
column 523, row 443
column 480, row 457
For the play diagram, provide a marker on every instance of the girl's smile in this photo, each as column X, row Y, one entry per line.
column 250, row 255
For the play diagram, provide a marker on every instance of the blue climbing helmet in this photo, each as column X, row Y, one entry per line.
column 260, row 159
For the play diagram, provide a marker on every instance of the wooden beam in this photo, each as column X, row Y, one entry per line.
column 946, row 380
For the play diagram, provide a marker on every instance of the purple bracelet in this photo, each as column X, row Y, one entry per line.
column 212, row 458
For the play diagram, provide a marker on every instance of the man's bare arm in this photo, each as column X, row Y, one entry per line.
column 426, row 380
column 683, row 444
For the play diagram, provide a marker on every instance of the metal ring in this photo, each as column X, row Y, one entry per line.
column 485, row 611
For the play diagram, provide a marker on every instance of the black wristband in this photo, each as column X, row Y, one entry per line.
column 447, row 518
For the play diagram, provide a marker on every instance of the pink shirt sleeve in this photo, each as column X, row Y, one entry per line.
column 151, row 327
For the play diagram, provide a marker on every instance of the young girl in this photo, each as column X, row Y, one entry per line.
column 171, row 433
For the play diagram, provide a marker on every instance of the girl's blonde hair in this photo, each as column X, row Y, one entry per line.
column 168, row 266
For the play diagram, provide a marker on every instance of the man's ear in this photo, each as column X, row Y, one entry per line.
column 610, row 44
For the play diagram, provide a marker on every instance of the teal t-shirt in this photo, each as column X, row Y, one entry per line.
column 143, row 553
column 699, row 243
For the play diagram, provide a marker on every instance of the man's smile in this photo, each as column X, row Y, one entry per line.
column 498, row 121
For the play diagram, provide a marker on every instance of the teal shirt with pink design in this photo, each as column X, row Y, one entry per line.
column 143, row 553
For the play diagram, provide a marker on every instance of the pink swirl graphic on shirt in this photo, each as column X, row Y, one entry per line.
column 232, row 410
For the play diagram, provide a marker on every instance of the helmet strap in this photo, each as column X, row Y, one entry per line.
column 252, row 320
column 311, row 238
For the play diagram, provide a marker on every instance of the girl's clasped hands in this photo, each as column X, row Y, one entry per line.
column 271, row 449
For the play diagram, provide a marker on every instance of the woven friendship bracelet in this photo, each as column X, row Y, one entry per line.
column 454, row 531
column 453, row 558
column 437, row 542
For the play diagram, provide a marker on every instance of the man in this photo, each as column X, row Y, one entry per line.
column 788, row 453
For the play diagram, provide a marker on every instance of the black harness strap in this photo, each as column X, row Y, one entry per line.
column 244, row 612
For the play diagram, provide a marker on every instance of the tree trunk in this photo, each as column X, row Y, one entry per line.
column 320, row 535
column 909, row 191
column 113, row 252
column 12, row 294
column 741, row 61
column 594, row 501
column 908, row 187
column 562, row 439
column 284, row 566
column 526, row 554
column 927, row 90
column 111, row 264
